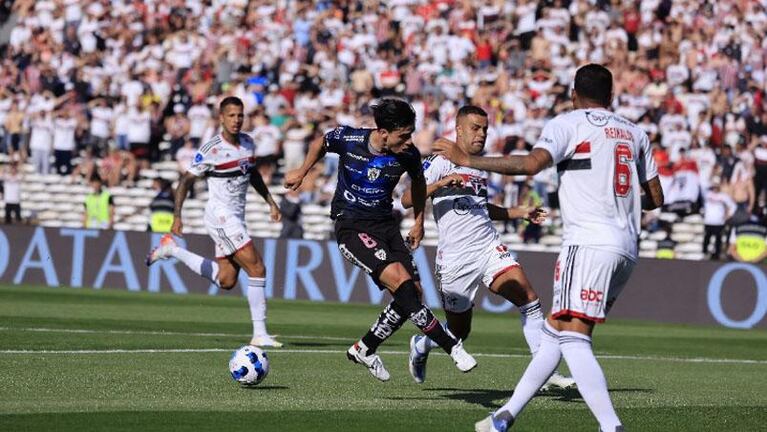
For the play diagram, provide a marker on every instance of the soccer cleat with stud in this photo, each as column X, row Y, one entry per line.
column 557, row 380
column 463, row 360
column 372, row 362
column 163, row 251
column 417, row 360
column 265, row 341
column 498, row 422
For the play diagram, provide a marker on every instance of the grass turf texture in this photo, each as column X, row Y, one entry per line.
column 662, row 377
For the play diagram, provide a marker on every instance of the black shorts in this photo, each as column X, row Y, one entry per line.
column 372, row 245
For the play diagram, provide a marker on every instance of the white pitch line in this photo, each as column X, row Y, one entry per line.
column 310, row 351
column 160, row 333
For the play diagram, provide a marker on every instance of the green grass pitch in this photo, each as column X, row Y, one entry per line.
column 82, row 360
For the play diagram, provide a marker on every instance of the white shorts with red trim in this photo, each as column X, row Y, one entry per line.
column 587, row 282
column 228, row 232
column 458, row 282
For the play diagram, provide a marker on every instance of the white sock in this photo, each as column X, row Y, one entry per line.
column 532, row 323
column 202, row 266
column 257, row 302
column 588, row 375
column 538, row 371
column 424, row 345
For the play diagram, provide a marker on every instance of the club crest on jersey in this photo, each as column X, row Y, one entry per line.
column 373, row 173
column 244, row 166
column 381, row 254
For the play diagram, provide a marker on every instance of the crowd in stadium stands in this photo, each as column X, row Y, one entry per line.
column 100, row 87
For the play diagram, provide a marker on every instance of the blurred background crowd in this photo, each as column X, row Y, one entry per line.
column 98, row 88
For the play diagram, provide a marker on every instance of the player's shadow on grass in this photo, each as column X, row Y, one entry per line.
column 485, row 398
column 493, row 399
column 292, row 344
column 257, row 387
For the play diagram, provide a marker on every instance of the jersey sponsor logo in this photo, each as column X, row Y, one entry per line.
column 591, row 295
column 464, row 205
column 353, row 199
column 358, row 157
column 598, row 119
column 367, row 190
column 352, row 169
column 373, row 173
column 354, row 138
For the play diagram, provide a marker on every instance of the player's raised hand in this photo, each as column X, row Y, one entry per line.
column 177, row 228
column 274, row 212
column 536, row 215
column 451, row 151
column 415, row 236
column 293, row 179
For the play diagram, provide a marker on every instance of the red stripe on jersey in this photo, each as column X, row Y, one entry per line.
column 584, row 147
column 234, row 163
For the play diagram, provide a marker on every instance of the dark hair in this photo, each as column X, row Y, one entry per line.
column 469, row 110
column 230, row 100
column 594, row 82
column 391, row 114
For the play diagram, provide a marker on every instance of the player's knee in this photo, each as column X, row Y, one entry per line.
column 227, row 283
column 394, row 275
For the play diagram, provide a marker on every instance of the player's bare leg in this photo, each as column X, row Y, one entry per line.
column 251, row 262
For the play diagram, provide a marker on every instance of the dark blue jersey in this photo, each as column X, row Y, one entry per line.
column 366, row 180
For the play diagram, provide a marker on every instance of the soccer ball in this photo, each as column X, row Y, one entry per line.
column 249, row 365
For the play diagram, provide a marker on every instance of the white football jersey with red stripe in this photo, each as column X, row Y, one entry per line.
column 463, row 222
column 601, row 160
column 227, row 169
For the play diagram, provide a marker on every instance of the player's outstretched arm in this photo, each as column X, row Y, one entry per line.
column 184, row 184
column 418, row 192
column 258, row 184
column 530, row 164
column 534, row 215
column 451, row 180
column 294, row 178
column 653, row 194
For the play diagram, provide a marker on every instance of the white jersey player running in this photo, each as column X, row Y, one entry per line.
column 604, row 162
column 470, row 252
column 227, row 161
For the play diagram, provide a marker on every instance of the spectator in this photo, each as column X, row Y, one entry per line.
column 177, row 126
column 10, row 186
column 64, row 127
column 665, row 247
column 41, row 141
column 748, row 241
column 162, row 206
column 102, row 119
column 760, row 177
column 199, row 118
column 99, row 207
column 718, row 207
column 290, row 207
column 139, row 132
column 14, row 133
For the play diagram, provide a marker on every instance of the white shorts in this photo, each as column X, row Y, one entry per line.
column 228, row 232
column 587, row 282
column 458, row 282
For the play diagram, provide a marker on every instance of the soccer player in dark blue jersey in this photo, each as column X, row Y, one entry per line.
column 370, row 166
